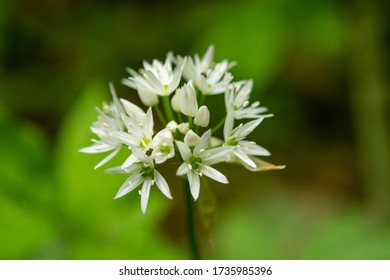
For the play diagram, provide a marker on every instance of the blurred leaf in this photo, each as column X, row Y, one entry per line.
column 97, row 227
column 27, row 189
column 255, row 35
column 349, row 235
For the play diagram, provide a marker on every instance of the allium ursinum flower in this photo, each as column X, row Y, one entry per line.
column 138, row 136
column 162, row 145
column 237, row 102
column 156, row 79
column 209, row 77
column 186, row 98
column 197, row 162
column 243, row 149
column 142, row 172
column 184, row 116
column 108, row 121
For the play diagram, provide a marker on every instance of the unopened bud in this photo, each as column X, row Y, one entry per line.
column 202, row 117
column 183, row 128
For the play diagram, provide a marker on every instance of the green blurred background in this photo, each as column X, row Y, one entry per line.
column 322, row 67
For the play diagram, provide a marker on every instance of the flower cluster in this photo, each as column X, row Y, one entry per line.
column 176, row 90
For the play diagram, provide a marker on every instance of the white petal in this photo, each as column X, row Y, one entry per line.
column 208, row 57
column 184, row 150
column 147, row 97
column 203, row 142
column 98, row 147
column 115, row 170
column 129, row 83
column 129, row 185
column 228, row 127
column 129, row 161
column 244, row 157
column 183, row 128
column 188, row 101
column 124, row 137
column 191, row 138
column 148, row 125
column 162, row 184
column 145, row 194
column 213, row 173
column 183, row 169
column 193, row 179
column 202, row 117
column 175, row 102
column 253, row 149
column 140, row 154
column 133, row 111
column 108, row 158
column 249, row 127
column 154, row 81
column 175, row 79
column 216, row 155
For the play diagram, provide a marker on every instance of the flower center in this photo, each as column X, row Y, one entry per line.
column 232, row 142
column 147, row 171
column 144, row 142
column 165, row 149
column 166, row 87
column 195, row 161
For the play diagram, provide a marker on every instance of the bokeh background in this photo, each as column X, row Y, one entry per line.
column 322, row 68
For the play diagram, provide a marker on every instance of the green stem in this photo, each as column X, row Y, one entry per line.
column 179, row 117
column 218, row 125
column 160, row 115
column 167, row 108
column 191, row 122
column 191, row 221
column 202, row 99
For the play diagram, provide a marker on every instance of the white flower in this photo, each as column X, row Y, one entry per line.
column 142, row 172
column 139, row 135
column 197, row 162
column 156, row 79
column 209, row 77
column 237, row 102
column 187, row 99
column 202, row 117
column 162, row 145
column 108, row 121
column 243, row 149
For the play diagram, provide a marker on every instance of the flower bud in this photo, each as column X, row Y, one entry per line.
column 202, row 117
column 183, row 128
column 191, row 138
column 175, row 101
column 187, row 98
column 172, row 126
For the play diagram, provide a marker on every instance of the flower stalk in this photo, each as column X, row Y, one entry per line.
column 191, row 227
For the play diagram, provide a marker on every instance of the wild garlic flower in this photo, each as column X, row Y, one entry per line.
column 182, row 137
column 138, row 136
column 242, row 149
column 198, row 161
column 237, row 102
column 156, row 79
column 162, row 145
column 108, row 121
column 209, row 77
column 142, row 172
